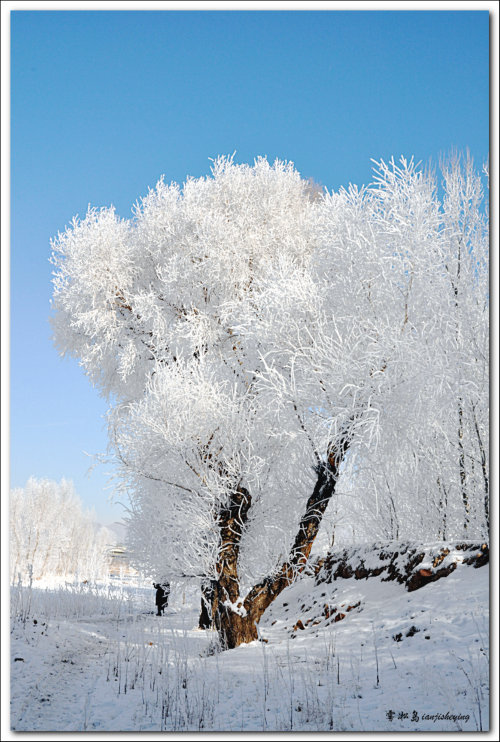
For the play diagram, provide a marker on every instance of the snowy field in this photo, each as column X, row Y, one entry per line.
column 98, row 659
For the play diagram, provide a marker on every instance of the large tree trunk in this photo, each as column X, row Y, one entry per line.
column 235, row 618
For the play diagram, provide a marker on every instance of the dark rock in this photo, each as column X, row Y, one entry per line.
column 412, row 631
column 480, row 557
column 424, row 576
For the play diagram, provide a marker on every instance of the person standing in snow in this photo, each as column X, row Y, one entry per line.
column 162, row 593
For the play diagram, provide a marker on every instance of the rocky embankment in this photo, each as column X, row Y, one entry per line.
column 413, row 565
column 342, row 584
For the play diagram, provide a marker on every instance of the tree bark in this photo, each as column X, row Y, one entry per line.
column 220, row 599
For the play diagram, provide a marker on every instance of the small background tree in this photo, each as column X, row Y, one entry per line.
column 51, row 534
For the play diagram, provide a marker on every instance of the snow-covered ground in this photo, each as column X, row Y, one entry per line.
column 100, row 660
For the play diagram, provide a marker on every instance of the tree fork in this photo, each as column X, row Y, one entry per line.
column 235, row 620
column 263, row 594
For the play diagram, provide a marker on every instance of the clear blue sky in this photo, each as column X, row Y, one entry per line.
column 103, row 103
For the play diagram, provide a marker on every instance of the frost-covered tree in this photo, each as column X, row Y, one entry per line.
column 264, row 347
column 443, row 442
column 51, row 533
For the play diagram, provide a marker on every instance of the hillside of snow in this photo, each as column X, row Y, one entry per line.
column 337, row 654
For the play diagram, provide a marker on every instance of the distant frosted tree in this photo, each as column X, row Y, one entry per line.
column 265, row 347
column 429, row 475
column 51, row 534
